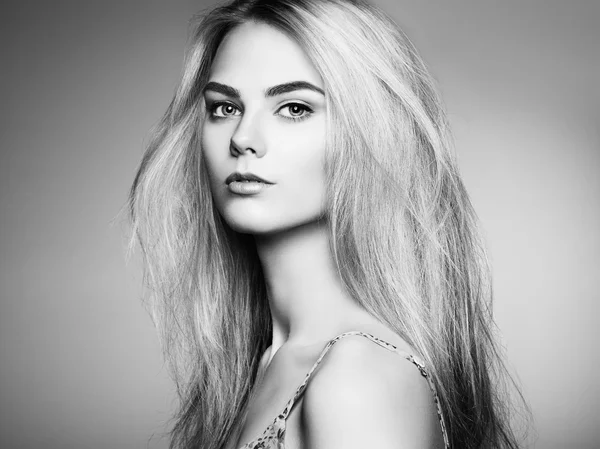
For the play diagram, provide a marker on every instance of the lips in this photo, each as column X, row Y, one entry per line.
column 246, row 184
column 245, row 177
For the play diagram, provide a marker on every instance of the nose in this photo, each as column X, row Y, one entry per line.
column 247, row 136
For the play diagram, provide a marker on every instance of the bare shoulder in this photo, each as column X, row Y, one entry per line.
column 364, row 395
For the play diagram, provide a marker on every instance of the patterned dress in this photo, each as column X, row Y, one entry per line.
column 274, row 435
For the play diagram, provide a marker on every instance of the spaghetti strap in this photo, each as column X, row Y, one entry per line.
column 275, row 433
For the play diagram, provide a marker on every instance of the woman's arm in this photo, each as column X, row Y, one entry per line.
column 365, row 396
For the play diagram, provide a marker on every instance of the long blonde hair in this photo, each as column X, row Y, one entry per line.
column 404, row 237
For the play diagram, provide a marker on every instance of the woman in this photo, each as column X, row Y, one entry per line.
column 303, row 225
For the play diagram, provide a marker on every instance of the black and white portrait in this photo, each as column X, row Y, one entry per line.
column 300, row 224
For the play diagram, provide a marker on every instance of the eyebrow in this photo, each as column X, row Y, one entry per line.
column 272, row 91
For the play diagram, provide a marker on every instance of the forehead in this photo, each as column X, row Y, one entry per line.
column 257, row 55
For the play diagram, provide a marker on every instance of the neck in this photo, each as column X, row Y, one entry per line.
column 307, row 299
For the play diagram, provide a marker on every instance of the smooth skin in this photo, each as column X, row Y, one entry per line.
column 362, row 395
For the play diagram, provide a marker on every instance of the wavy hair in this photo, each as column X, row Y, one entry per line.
column 404, row 238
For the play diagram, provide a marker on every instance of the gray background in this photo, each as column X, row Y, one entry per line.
column 82, row 82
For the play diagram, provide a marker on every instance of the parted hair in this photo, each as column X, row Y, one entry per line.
column 403, row 233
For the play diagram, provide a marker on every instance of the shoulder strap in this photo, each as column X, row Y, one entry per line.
column 411, row 358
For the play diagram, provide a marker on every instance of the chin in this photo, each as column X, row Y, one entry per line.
column 263, row 226
column 248, row 221
column 268, row 223
column 247, row 227
column 264, row 216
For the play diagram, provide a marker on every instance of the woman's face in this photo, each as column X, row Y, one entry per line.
column 265, row 118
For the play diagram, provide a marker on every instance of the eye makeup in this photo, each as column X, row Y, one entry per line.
column 222, row 106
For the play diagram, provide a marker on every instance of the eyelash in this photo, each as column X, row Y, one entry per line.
column 213, row 107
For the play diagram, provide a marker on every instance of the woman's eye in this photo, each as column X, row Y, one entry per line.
column 297, row 111
column 227, row 109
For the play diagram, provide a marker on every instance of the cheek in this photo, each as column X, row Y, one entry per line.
column 305, row 172
column 214, row 157
column 306, row 157
column 214, row 147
